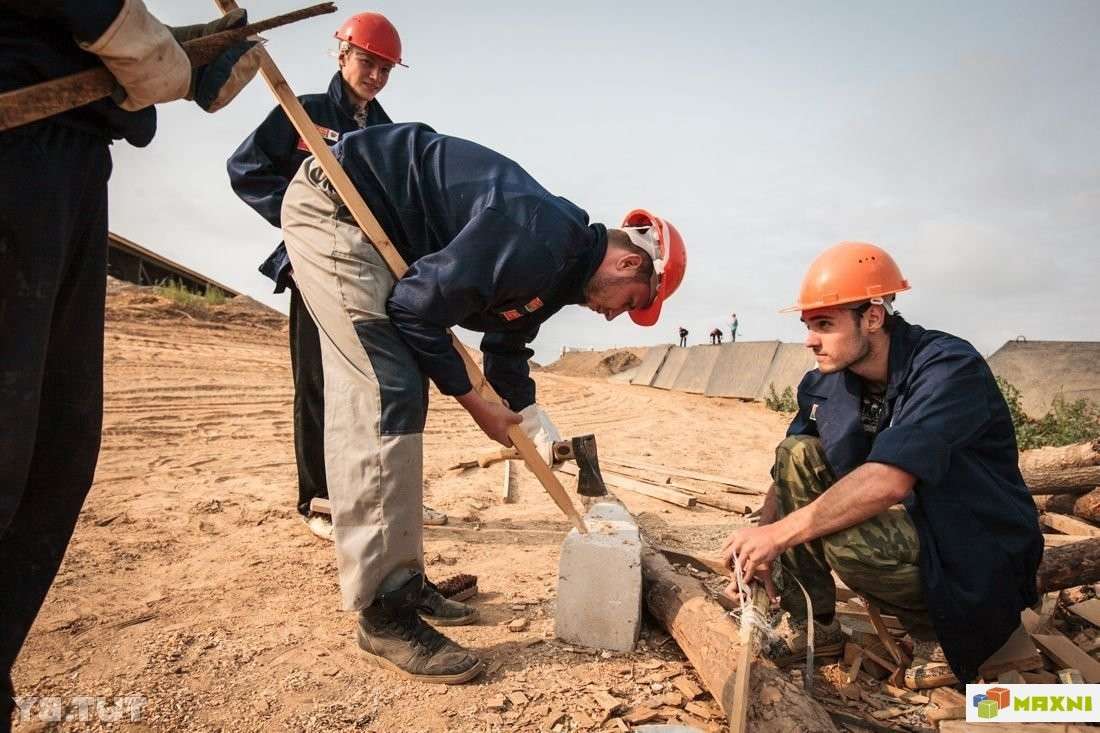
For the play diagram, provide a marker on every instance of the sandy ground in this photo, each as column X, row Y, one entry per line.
column 191, row 581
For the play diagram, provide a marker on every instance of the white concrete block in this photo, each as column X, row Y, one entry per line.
column 600, row 582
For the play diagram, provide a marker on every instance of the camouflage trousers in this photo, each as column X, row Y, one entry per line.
column 878, row 558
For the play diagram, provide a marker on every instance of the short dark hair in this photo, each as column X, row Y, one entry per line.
column 618, row 238
column 888, row 323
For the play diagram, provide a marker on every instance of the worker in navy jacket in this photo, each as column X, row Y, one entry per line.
column 53, row 262
column 895, row 415
column 489, row 249
column 260, row 170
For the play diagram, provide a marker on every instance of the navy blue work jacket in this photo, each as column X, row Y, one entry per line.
column 36, row 45
column 260, row 169
column 948, row 425
column 488, row 249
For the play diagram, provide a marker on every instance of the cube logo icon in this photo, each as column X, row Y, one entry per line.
column 988, row 708
column 992, row 701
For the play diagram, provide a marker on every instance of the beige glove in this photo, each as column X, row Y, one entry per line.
column 536, row 423
column 143, row 56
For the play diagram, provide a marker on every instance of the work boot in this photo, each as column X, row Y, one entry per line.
column 396, row 639
column 929, row 668
column 320, row 525
column 439, row 610
column 788, row 645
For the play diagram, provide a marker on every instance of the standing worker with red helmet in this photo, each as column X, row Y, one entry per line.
column 894, row 415
column 489, row 249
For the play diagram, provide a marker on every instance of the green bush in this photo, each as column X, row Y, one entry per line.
column 780, row 402
column 1067, row 422
column 174, row 290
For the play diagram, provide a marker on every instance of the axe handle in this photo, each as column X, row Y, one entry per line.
column 48, row 98
column 396, row 264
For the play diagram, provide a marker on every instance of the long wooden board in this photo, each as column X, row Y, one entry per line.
column 374, row 231
column 1067, row 654
column 1069, row 525
column 740, row 488
column 640, row 487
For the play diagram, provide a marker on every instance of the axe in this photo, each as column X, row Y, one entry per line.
column 581, row 450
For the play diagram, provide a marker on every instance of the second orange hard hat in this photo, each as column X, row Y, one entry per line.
column 849, row 272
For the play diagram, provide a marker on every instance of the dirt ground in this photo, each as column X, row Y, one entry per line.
column 192, row 582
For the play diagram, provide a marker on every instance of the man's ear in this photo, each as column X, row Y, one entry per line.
column 876, row 318
column 628, row 262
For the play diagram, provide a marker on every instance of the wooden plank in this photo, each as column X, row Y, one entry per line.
column 1089, row 610
column 640, row 487
column 885, row 636
column 1057, row 540
column 1067, row 654
column 724, row 502
column 684, row 473
column 1069, row 525
column 758, row 602
column 1017, row 654
column 366, row 221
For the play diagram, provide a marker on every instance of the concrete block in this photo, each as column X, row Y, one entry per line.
column 600, row 582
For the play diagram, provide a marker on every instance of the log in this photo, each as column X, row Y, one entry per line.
column 711, row 642
column 1069, row 469
column 1058, row 503
column 724, row 502
column 1088, row 506
column 1069, row 565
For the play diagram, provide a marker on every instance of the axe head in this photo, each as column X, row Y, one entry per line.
column 589, row 478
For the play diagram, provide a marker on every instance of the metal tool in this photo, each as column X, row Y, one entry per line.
column 580, row 449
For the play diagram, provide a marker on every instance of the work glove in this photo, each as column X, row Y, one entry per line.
column 216, row 84
column 143, row 56
column 539, row 428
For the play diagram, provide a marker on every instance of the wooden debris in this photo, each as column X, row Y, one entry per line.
column 1067, row 654
column 889, row 713
column 739, row 487
column 1089, row 610
column 724, row 502
column 687, row 688
column 1070, row 677
column 1069, row 525
column 637, row 716
column 907, row 696
column 551, row 720
column 607, row 702
column 1088, row 506
column 854, row 666
column 711, row 640
column 1018, row 653
column 640, row 487
column 517, row 698
column 672, row 699
column 518, row 624
column 1070, row 565
column 700, row 710
column 938, row 714
column 1057, row 540
column 1039, row 677
column 496, row 702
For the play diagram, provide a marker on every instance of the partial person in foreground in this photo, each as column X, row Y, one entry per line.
column 489, row 249
column 53, row 261
column 900, row 474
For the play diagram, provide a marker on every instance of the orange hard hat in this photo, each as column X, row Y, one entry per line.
column 373, row 33
column 669, row 261
column 849, row 272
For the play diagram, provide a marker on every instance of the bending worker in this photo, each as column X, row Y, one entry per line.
column 489, row 249
column 53, row 261
column 895, row 415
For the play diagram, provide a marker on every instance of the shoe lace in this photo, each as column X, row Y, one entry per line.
column 412, row 629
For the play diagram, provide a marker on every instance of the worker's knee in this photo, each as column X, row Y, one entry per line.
column 801, row 470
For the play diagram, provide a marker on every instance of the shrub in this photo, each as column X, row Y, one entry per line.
column 1066, row 423
column 174, row 290
column 780, row 402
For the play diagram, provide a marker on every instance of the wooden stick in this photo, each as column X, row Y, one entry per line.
column 396, row 264
column 48, row 98
column 739, row 712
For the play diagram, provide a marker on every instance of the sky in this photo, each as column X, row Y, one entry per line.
column 964, row 138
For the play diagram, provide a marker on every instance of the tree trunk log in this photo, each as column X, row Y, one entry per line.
column 712, row 641
column 1088, row 506
column 1070, row 469
column 1070, row 565
column 1058, row 503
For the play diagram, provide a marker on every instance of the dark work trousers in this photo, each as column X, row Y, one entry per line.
column 309, row 403
column 53, row 273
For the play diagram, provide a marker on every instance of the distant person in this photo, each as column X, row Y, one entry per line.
column 716, row 336
column 900, row 475
column 733, row 327
column 683, row 336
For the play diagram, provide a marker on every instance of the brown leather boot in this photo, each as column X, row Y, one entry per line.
column 395, row 638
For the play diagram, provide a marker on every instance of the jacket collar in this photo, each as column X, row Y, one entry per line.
column 338, row 93
column 588, row 259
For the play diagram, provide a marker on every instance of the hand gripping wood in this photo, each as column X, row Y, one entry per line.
column 370, row 226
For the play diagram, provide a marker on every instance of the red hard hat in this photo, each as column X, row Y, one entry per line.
column 373, row 33
column 670, row 262
column 850, row 272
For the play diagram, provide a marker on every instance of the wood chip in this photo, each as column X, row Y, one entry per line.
column 518, row 699
column 699, row 710
column 637, row 716
column 1067, row 654
column 850, row 691
column 606, row 701
column 945, row 697
column 672, row 699
column 687, row 688
column 907, row 696
column 619, row 724
column 934, row 714
column 1089, row 610
column 496, row 702
column 552, row 719
column 888, row 713
column 517, row 624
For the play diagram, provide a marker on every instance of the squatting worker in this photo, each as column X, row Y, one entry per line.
column 53, row 265
column 895, row 414
column 261, row 169
column 489, row 249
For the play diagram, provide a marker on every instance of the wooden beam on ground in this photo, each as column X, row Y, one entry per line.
column 737, row 486
column 1070, row 565
column 672, row 496
column 1067, row 654
column 711, row 641
column 396, row 264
